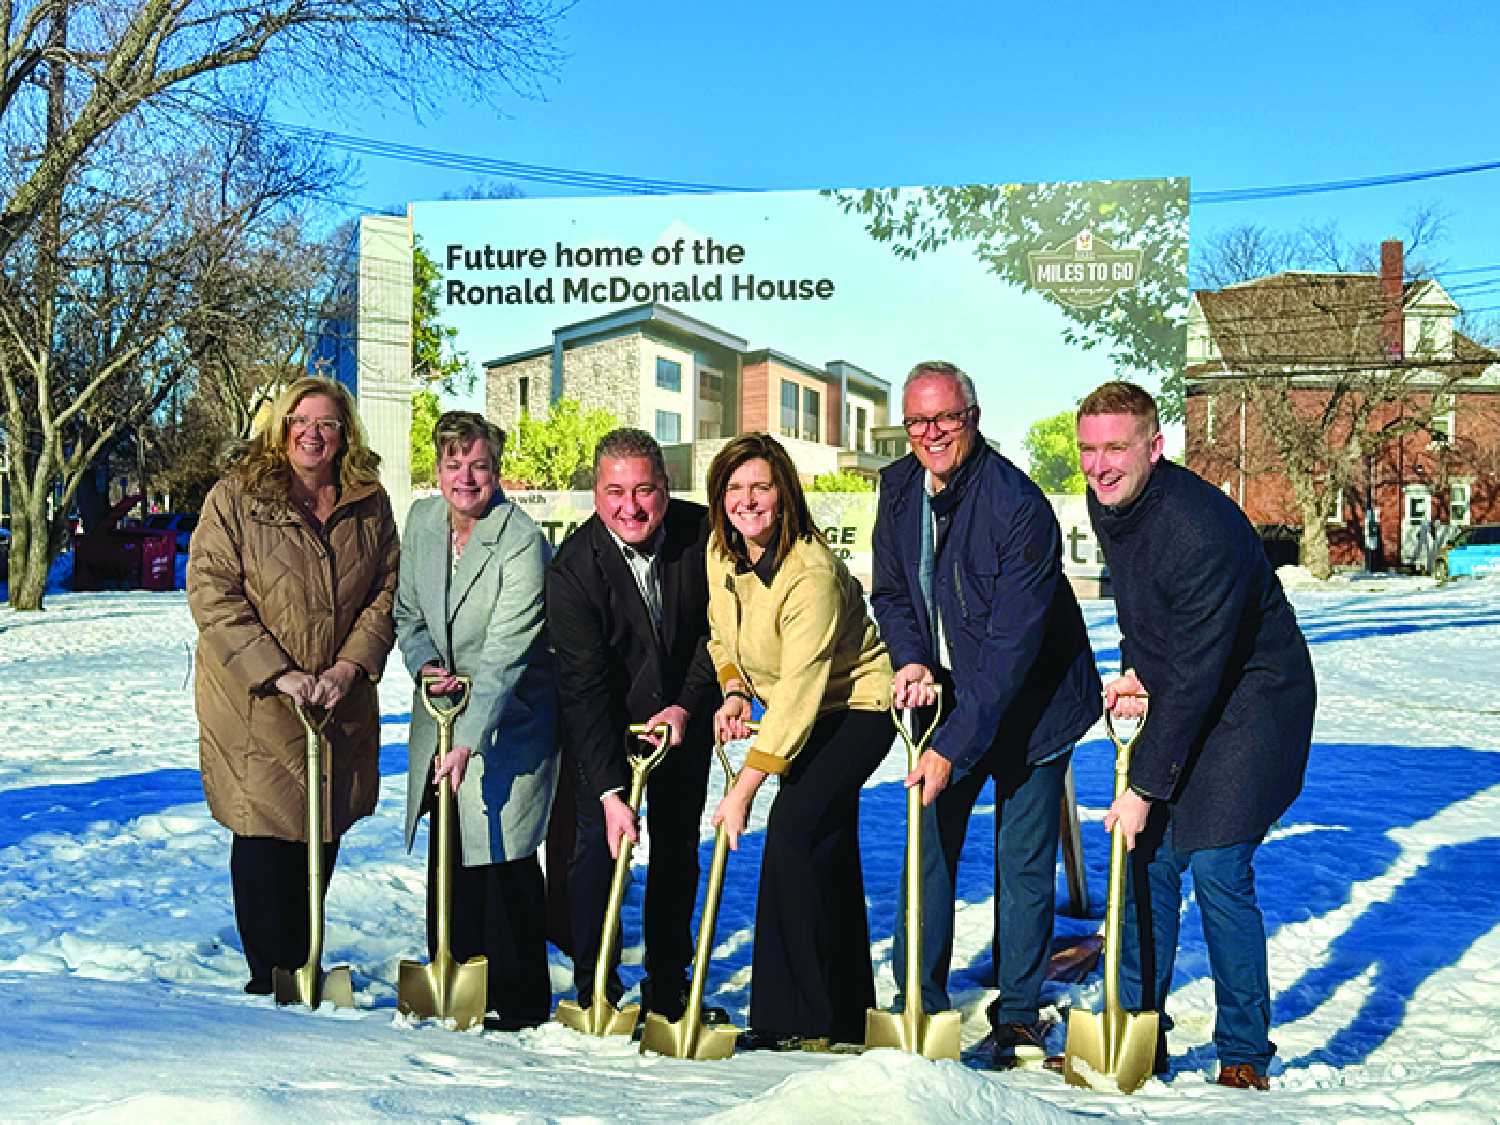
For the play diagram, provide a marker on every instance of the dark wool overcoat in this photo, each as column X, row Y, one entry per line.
column 1207, row 628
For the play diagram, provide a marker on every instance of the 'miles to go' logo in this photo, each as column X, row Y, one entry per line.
column 1085, row 271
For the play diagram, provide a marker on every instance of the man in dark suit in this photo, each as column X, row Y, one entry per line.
column 627, row 611
column 970, row 594
column 1206, row 630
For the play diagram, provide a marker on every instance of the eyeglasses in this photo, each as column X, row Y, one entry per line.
column 322, row 425
column 948, row 422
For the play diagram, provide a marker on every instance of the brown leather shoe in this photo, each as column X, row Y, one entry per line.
column 1242, row 1076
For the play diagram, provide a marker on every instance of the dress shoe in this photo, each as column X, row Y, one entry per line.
column 754, row 1040
column 257, row 986
column 1242, row 1076
column 1015, row 1044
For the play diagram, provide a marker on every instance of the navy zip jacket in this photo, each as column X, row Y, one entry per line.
column 1208, row 631
column 1022, row 667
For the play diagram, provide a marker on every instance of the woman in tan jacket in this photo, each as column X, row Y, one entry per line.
column 788, row 627
column 291, row 578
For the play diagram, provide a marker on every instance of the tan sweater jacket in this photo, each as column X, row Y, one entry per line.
column 804, row 645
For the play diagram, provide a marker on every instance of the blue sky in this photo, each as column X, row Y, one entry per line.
column 805, row 95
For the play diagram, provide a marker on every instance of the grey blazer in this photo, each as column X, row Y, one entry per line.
column 484, row 620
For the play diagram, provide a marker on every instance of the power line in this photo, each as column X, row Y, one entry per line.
column 1245, row 195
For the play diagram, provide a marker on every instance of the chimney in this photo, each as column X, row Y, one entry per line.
column 1392, row 310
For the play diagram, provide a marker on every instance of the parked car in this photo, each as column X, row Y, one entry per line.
column 1474, row 550
column 181, row 523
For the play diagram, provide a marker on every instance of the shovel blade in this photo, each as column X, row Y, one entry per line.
column 931, row 1036
column 599, row 1019
column 687, row 1039
column 1087, row 1060
column 445, row 990
column 309, row 987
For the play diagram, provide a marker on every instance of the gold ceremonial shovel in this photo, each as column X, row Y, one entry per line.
column 445, row 989
column 933, row 1036
column 687, row 1038
column 1112, row 1049
column 602, row 1018
column 311, row 984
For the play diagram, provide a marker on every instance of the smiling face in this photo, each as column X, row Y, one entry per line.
column 752, row 504
column 467, row 478
column 630, row 498
column 1117, row 453
column 314, row 436
column 931, row 405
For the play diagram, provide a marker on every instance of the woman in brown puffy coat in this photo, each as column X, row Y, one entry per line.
column 291, row 579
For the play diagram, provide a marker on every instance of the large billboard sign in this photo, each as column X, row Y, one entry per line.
column 1039, row 291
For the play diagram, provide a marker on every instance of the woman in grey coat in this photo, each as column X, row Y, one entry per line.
column 469, row 603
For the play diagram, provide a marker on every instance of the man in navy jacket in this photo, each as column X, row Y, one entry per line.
column 970, row 594
column 1208, row 633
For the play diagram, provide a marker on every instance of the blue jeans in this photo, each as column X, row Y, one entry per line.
column 1027, row 803
column 1224, row 882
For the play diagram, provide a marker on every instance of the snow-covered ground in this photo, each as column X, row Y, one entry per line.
column 120, row 971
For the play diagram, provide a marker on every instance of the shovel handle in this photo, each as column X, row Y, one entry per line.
column 314, row 717
column 731, row 775
column 643, row 764
column 446, row 713
column 914, row 749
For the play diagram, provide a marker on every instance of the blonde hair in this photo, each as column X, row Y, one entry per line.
column 264, row 464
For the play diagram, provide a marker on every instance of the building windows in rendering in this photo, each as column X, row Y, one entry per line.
column 810, row 400
column 668, row 427
column 861, row 430
column 710, row 403
column 1444, row 415
column 523, row 393
column 788, row 409
column 668, row 374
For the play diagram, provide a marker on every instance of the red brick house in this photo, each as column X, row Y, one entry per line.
column 1347, row 398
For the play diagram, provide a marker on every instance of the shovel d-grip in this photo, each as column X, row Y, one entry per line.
column 688, row 1038
column 601, row 1018
column 444, row 989
column 311, row 984
column 1113, row 1049
column 935, row 1035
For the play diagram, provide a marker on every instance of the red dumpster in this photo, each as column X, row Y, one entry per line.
column 111, row 557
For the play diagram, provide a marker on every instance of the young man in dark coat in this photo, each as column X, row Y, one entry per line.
column 969, row 593
column 627, row 612
column 1208, row 634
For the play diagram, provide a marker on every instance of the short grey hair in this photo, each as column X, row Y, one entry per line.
column 942, row 369
column 459, row 429
column 627, row 441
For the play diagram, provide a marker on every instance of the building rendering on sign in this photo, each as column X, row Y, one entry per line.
column 1375, row 350
column 694, row 385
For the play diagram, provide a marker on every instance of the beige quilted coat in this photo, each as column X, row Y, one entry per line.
column 269, row 595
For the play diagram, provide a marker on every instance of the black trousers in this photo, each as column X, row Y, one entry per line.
column 675, row 793
column 269, row 879
column 810, row 972
column 499, row 912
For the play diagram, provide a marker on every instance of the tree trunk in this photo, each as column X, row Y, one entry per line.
column 30, row 558
column 1314, row 543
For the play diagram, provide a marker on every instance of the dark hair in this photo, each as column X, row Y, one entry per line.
column 627, row 441
column 459, row 429
column 794, row 520
column 942, row 369
column 1120, row 397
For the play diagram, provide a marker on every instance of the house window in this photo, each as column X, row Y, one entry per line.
column 1458, row 503
column 710, row 384
column 1336, row 506
column 1208, row 418
column 1426, row 335
column 668, row 374
column 861, row 424
column 1444, row 415
column 788, row 409
column 523, row 393
column 668, row 427
column 810, row 399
